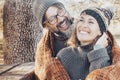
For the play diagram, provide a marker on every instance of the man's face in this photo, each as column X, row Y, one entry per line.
column 58, row 20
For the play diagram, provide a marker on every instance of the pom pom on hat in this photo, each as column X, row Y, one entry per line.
column 110, row 11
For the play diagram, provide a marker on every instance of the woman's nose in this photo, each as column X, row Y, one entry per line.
column 85, row 24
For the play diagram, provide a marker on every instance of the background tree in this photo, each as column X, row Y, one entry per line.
column 20, row 31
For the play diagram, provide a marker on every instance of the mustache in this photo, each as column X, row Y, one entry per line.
column 70, row 20
column 60, row 23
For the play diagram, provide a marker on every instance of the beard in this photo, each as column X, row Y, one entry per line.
column 66, row 33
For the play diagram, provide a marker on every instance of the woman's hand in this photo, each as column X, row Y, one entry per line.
column 102, row 42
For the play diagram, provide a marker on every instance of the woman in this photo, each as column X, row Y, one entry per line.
column 90, row 45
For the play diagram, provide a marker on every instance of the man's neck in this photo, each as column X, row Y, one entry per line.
column 60, row 37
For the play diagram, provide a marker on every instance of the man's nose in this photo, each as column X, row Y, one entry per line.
column 60, row 18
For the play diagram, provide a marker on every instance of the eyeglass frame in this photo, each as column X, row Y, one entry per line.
column 55, row 17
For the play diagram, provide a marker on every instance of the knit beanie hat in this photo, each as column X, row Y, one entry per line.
column 41, row 6
column 102, row 15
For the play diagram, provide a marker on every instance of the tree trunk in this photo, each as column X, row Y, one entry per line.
column 21, row 31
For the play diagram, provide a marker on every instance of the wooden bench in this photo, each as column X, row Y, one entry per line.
column 15, row 71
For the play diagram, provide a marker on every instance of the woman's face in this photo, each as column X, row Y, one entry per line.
column 87, row 29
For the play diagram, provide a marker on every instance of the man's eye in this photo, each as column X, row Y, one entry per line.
column 52, row 18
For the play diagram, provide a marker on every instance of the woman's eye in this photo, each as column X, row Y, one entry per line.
column 91, row 22
column 81, row 20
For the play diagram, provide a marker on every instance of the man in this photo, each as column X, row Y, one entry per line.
column 56, row 23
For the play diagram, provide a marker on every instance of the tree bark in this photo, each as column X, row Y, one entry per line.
column 21, row 31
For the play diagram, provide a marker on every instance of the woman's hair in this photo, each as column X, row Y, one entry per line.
column 73, row 40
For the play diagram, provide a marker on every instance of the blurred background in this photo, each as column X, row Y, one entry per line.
column 74, row 7
column 1, row 30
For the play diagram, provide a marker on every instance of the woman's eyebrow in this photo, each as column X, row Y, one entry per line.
column 91, row 19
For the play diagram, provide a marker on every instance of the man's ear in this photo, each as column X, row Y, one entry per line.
column 45, row 25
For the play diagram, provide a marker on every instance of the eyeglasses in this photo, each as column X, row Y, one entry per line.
column 53, row 19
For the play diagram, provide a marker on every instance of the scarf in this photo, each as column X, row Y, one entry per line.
column 48, row 67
